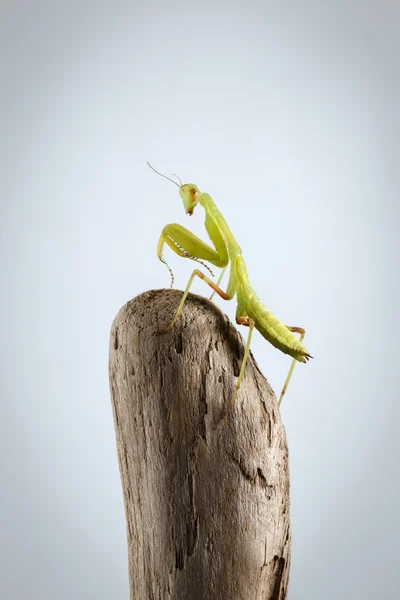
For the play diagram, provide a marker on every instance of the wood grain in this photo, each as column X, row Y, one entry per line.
column 207, row 506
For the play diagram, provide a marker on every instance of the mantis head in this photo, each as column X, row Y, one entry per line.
column 188, row 192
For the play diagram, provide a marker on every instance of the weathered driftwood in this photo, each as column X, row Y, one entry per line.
column 207, row 506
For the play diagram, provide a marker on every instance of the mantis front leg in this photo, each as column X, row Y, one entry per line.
column 187, row 245
column 184, row 243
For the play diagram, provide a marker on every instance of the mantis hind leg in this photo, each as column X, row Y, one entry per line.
column 209, row 282
column 248, row 322
column 285, row 386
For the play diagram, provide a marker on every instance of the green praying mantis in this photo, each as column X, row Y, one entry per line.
column 250, row 311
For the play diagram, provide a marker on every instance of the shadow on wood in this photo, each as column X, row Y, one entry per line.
column 207, row 506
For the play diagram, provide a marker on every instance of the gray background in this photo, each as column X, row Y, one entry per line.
column 287, row 113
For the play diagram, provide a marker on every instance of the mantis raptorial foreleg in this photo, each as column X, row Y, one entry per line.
column 213, row 285
column 184, row 243
column 302, row 334
column 187, row 245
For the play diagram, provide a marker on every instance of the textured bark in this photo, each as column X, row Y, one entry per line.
column 207, row 506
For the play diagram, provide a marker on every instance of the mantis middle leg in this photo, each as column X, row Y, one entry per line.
column 219, row 281
column 209, row 282
column 294, row 361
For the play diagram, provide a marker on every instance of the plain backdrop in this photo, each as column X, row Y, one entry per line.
column 287, row 113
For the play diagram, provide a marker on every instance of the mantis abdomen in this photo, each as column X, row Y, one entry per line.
column 273, row 330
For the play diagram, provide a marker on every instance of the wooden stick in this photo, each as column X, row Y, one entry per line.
column 207, row 506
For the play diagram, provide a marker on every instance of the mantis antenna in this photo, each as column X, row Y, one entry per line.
column 169, row 179
column 177, row 176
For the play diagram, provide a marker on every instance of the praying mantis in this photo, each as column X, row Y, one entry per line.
column 250, row 311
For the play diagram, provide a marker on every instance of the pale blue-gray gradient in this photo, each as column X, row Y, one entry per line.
column 287, row 113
